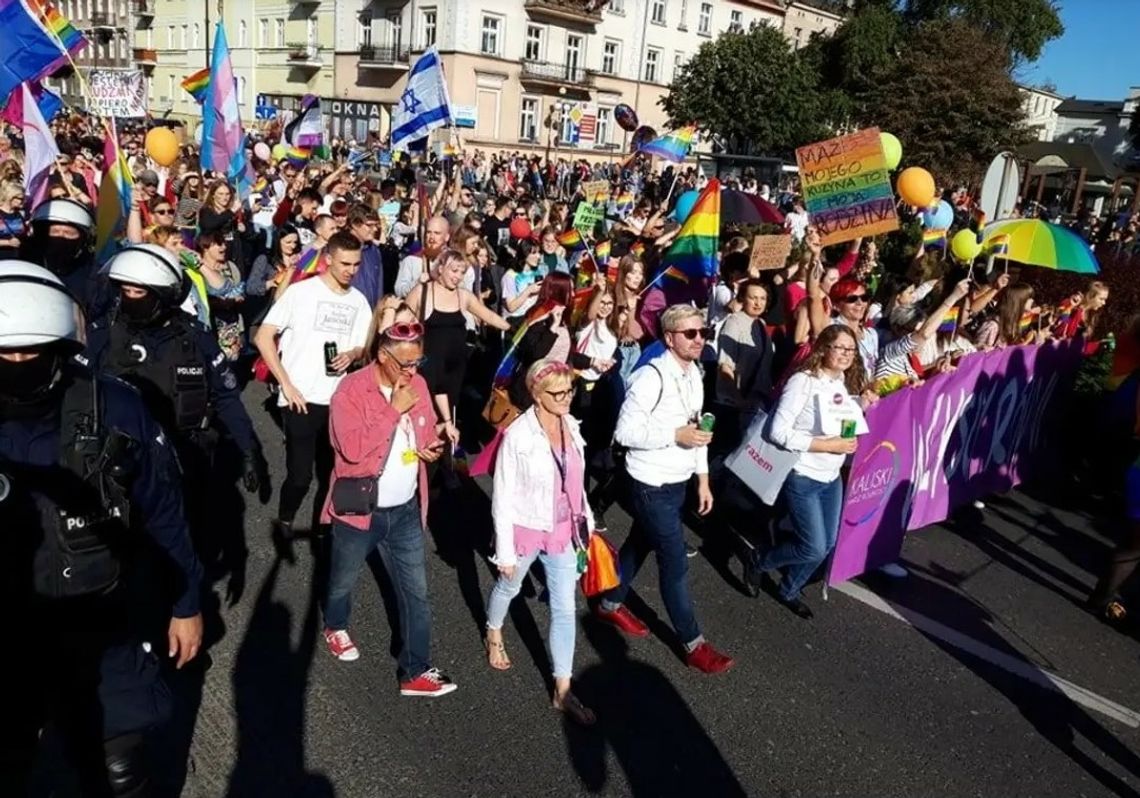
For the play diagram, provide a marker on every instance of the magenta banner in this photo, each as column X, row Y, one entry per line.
column 959, row 437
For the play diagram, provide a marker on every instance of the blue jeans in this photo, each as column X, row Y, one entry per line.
column 397, row 534
column 814, row 508
column 657, row 527
column 562, row 584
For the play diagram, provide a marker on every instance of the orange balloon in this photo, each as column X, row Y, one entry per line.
column 916, row 187
column 162, row 145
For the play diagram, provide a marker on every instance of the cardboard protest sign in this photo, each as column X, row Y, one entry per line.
column 596, row 190
column 587, row 216
column 847, row 187
column 116, row 93
column 770, row 252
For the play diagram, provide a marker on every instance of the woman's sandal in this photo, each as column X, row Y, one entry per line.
column 1114, row 611
column 575, row 709
column 497, row 654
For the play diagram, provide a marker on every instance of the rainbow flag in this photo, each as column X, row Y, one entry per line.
column 310, row 264
column 934, row 239
column 1028, row 319
column 672, row 146
column 260, row 185
column 693, row 253
column 602, row 252
column 637, row 249
column 1064, row 315
column 587, row 268
column 579, row 303
column 114, row 205
column 298, row 157
column 572, row 240
column 979, row 222
column 949, row 321
column 624, row 203
column 197, row 85
column 60, row 28
column 998, row 245
column 507, row 366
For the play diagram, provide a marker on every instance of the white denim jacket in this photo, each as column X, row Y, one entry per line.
column 525, row 482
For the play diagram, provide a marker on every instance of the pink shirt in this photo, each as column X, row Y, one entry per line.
column 567, row 504
column 361, row 426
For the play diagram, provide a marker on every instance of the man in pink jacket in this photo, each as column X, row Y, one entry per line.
column 383, row 430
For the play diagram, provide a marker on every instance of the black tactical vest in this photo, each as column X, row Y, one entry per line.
column 172, row 380
column 65, row 526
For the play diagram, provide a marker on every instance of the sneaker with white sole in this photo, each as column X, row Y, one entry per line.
column 432, row 683
column 341, row 645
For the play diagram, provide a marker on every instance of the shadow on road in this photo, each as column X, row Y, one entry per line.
column 659, row 744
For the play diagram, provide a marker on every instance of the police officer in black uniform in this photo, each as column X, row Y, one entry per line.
column 61, row 240
column 86, row 478
column 147, row 340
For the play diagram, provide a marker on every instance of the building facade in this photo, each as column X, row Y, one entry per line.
column 801, row 20
column 529, row 75
column 1039, row 106
column 108, row 26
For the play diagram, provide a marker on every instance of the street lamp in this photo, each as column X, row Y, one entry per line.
column 557, row 111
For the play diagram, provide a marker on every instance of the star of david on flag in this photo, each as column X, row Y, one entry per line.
column 424, row 105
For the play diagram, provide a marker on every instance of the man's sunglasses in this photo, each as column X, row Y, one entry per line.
column 704, row 332
column 164, row 211
column 852, row 298
column 404, row 331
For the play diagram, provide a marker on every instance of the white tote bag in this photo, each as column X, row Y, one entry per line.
column 760, row 464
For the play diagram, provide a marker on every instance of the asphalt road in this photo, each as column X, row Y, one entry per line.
column 858, row 702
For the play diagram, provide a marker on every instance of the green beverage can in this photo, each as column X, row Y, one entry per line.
column 708, row 420
column 847, row 428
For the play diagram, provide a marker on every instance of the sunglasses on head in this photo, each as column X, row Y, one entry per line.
column 855, row 298
column 404, row 331
column 703, row 332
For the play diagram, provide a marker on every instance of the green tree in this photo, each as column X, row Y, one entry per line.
column 1024, row 26
column 950, row 99
column 751, row 89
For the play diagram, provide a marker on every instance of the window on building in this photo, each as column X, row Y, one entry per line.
column 396, row 30
column 616, row 6
column 195, row 35
column 150, row 88
column 241, row 89
column 428, row 17
column 566, row 128
column 311, row 30
column 492, row 26
column 574, row 44
column 605, row 120
column 657, row 14
column 169, row 37
column 169, row 88
column 279, row 32
column 262, row 32
column 652, row 64
column 736, row 20
column 533, row 43
column 242, row 33
column 797, row 36
column 150, row 38
column 528, row 119
column 704, row 21
column 678, row 63
column 182, row 39
column 364, row 29
column 611, row 56
column 682, row 23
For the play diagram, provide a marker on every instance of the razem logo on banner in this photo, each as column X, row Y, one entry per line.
column 117, row 93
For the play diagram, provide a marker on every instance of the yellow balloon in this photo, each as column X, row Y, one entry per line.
column 892, row 150
column 162, row 145
column 964, row 246
column 916, row 187
column 279, row 151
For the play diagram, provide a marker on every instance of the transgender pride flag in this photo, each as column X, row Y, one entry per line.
column 223, row 142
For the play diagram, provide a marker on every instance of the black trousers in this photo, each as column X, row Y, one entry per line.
column 307, row 446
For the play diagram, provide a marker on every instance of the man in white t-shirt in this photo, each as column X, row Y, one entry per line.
column 315, row 319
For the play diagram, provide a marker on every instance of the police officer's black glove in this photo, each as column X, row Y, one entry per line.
column 254, row 471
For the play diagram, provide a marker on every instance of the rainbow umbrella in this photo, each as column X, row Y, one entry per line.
column 1037, row 243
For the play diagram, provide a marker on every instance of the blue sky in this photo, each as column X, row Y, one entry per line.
column 1098, row 57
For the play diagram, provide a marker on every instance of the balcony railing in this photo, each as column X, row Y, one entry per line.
column 583, row 12
column 384, row 56
column 543, row 72
column 145, row 56
column 304, row 55
column 144, row 8
column 103, row 20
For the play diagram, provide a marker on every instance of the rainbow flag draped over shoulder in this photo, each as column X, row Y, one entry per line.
column 673, row 146
column 197, row 85
column 693, row 253
column 114, row 205
column 507, row 366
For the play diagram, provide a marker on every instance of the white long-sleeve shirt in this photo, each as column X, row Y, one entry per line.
column 798, row 421
column 660, row 400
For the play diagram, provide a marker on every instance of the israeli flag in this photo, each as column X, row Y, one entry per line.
column 424, row 105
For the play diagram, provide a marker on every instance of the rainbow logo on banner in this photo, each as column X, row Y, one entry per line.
column 847, row 187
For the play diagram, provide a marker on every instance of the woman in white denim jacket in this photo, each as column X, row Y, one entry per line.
column 539, row 505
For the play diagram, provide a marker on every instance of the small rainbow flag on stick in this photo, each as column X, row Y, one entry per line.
column 602, row 252
column 297, row 156
column 197, row 85
column 572, row 240
column 61, row 28
column 998, row 245
column 672, row 146
column 934, row 239
column 1028, row 319
column 949, row 321
column 310, row 264
column 675, row 273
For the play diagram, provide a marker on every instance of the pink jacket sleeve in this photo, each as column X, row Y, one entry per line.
column 359, row 429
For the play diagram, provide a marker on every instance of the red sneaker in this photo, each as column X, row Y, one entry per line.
column 341, row 645
column 623, row 619
column 429, row 684
column 707, row 659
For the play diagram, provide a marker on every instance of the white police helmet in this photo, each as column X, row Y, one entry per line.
column 64, row 211
column 149, row 266
column 36, row 308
